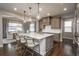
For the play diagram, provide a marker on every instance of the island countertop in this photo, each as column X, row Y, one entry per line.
column 38, row 36
column 45, row 41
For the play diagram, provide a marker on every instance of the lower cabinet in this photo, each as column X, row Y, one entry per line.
column 56, row 37
column 45, row 45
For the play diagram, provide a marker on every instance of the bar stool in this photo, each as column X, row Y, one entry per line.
column 31, row 44
column 18, row 45
column 17, row 39
column 22, row 45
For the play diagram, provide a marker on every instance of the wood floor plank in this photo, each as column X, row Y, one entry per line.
column 10, row 50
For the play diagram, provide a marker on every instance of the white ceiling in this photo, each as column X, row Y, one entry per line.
column 52, row 8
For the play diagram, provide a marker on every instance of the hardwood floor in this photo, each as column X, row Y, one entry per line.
column 8, row 50
column 11, row 50
column 57, row 49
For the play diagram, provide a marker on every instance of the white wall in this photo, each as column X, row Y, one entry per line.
column 8, row 14
column 1, row 41
column 5, row 14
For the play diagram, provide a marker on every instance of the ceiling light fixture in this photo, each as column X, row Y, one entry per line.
column 30, row 19
column 48, row 14
column 38, row 15
column 15, row 9
column 24, row 16
column 65, row 9
column 40, row 9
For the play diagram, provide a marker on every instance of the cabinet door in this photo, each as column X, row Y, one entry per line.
column 40, row 25
column 46, row 21
column 56, row 22
column 52, row 22
column 43, row 47
column 43, row 22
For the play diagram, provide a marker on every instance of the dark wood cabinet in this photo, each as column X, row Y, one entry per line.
column 43, row 22
column 55, row 22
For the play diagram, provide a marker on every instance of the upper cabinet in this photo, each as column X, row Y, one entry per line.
column 43, row 22
column 53, row 21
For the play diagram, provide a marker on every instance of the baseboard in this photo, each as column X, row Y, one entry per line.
column 67, row 38
column 1, row 45
column 56, row 41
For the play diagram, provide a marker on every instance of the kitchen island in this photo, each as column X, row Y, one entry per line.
column 45, row 42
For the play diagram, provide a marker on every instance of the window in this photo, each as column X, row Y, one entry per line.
column 32, row 27
column 78, row 25
column 13, row 27
column 68, row 26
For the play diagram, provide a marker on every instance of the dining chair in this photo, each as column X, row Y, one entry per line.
column 18, row 45
column 22, row 40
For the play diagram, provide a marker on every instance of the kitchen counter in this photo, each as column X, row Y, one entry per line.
column 53, row 31
column 37, row 36
column 57, row 33
column 45, row 41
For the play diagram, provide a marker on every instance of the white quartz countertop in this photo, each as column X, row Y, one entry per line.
column 36, row 35
column 56, row 31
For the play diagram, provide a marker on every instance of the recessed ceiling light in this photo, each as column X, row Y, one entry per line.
column 29, row 13
column 40, row 9
column 48, row 14
column 30, row 19
column 61, row 3
column 38, row 16
column 24, row 21
column 15, row 9
column 65, row 9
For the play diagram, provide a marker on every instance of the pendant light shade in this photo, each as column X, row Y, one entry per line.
column 30, row 19
column 38, row 15
column 24, row 16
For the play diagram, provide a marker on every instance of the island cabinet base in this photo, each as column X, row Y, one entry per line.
column 45, row 46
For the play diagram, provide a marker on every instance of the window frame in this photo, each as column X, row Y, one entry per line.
column 68, row 19
column 14, row 26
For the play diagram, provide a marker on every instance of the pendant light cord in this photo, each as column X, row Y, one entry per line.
column 30, row 10
column 38, row 8
column 30, row 13
column 24, row 14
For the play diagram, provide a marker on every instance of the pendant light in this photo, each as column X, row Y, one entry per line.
column 38, row 15
column 30, row 19
column 24, row 16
